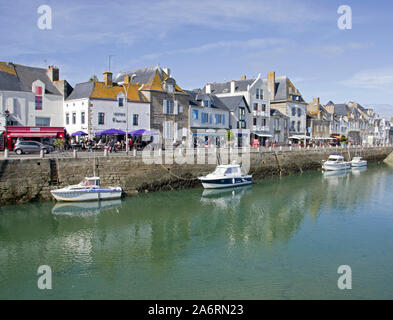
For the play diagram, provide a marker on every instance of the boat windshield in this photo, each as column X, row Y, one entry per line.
column 89, row 182
column 223, row 171
column 220, row 171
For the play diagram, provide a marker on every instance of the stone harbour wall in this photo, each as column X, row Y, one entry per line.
column 26, row 180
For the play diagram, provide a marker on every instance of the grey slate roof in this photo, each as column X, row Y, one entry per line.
column 196, row 98
column 81, row 90
column 232, row 102
column 9, row 82
column 25, row 77
column 280, row 88
column 143, row 75
column 340, row 109
column 277, row 113
column 223, row 87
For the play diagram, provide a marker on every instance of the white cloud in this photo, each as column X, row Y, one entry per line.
column 242, row 45
column 380, row 78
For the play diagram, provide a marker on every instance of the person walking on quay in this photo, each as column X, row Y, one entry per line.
column 89, row 145
column 111, row 145
column 130, row 144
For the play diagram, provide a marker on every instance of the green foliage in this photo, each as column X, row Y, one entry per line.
column 93, row 79
column 59, row 143
column 343, row 139
column 229, row 135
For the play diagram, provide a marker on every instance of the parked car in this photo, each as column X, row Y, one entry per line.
column 31, row 147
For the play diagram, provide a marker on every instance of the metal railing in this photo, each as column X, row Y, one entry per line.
column 134, row 153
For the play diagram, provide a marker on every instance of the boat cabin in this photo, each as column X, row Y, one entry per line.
column 227, row 170
column 335, row 158
column 92, row 181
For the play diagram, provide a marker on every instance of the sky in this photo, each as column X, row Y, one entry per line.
column 213, row 40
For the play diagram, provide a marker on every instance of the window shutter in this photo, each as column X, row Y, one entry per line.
column 175, row 130
column 176, row 107
column 164, row 105
column 164, row 129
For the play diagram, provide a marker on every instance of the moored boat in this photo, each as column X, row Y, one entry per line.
column 224, row 176
column 89, row 189
column 336, row 162
column 358, row 161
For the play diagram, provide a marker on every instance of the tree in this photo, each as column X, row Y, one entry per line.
column 93, row 79
column 229, row 135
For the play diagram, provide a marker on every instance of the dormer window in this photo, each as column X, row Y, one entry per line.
column 206, row 103
column 170, row 88
column 38, row 89
column 259, row 94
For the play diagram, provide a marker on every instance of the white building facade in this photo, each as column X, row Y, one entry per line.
column 31, row 96
column 93, row 107
column 254, row 91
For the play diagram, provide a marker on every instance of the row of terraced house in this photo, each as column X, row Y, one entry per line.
column 262, row 110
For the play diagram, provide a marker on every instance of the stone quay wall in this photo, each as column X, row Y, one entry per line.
column 26, row 180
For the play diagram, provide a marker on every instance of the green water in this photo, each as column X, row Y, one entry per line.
column 282, row 238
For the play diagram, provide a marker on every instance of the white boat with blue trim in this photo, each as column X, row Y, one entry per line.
column 225, row 176
column 357, row 161
column 336, row 162
column 89, row 189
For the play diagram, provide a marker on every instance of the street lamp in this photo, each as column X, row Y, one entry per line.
column 123, row 84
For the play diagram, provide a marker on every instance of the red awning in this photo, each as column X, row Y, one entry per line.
column 32, row 134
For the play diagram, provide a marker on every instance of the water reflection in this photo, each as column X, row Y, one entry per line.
column 86, row 208
column 357, row 171
column 224, row 198
column 154, row 233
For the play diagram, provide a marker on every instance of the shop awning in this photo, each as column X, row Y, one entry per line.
column 299, row 137
column 263, row 135
column 209, row 134
column 32, row 134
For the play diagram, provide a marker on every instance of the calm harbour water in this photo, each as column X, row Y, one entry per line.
column 281, row 238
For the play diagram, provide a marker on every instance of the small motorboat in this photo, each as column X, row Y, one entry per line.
column 224, row 176
column 89, row 189
column 358, row 161
column 335, row 162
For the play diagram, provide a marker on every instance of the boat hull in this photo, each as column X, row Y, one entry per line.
column 86, row 195
column 209, row 183
column 359, row 164
column 336, row 166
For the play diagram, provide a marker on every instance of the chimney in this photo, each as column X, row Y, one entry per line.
column 315, row 101
column 208, row 88
column 53, row 73
column 127, row 80
column 329, row 108
column 167, row 71
column 233, row 86
column 108, row 78
column 271, row 84
column 243, row 77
